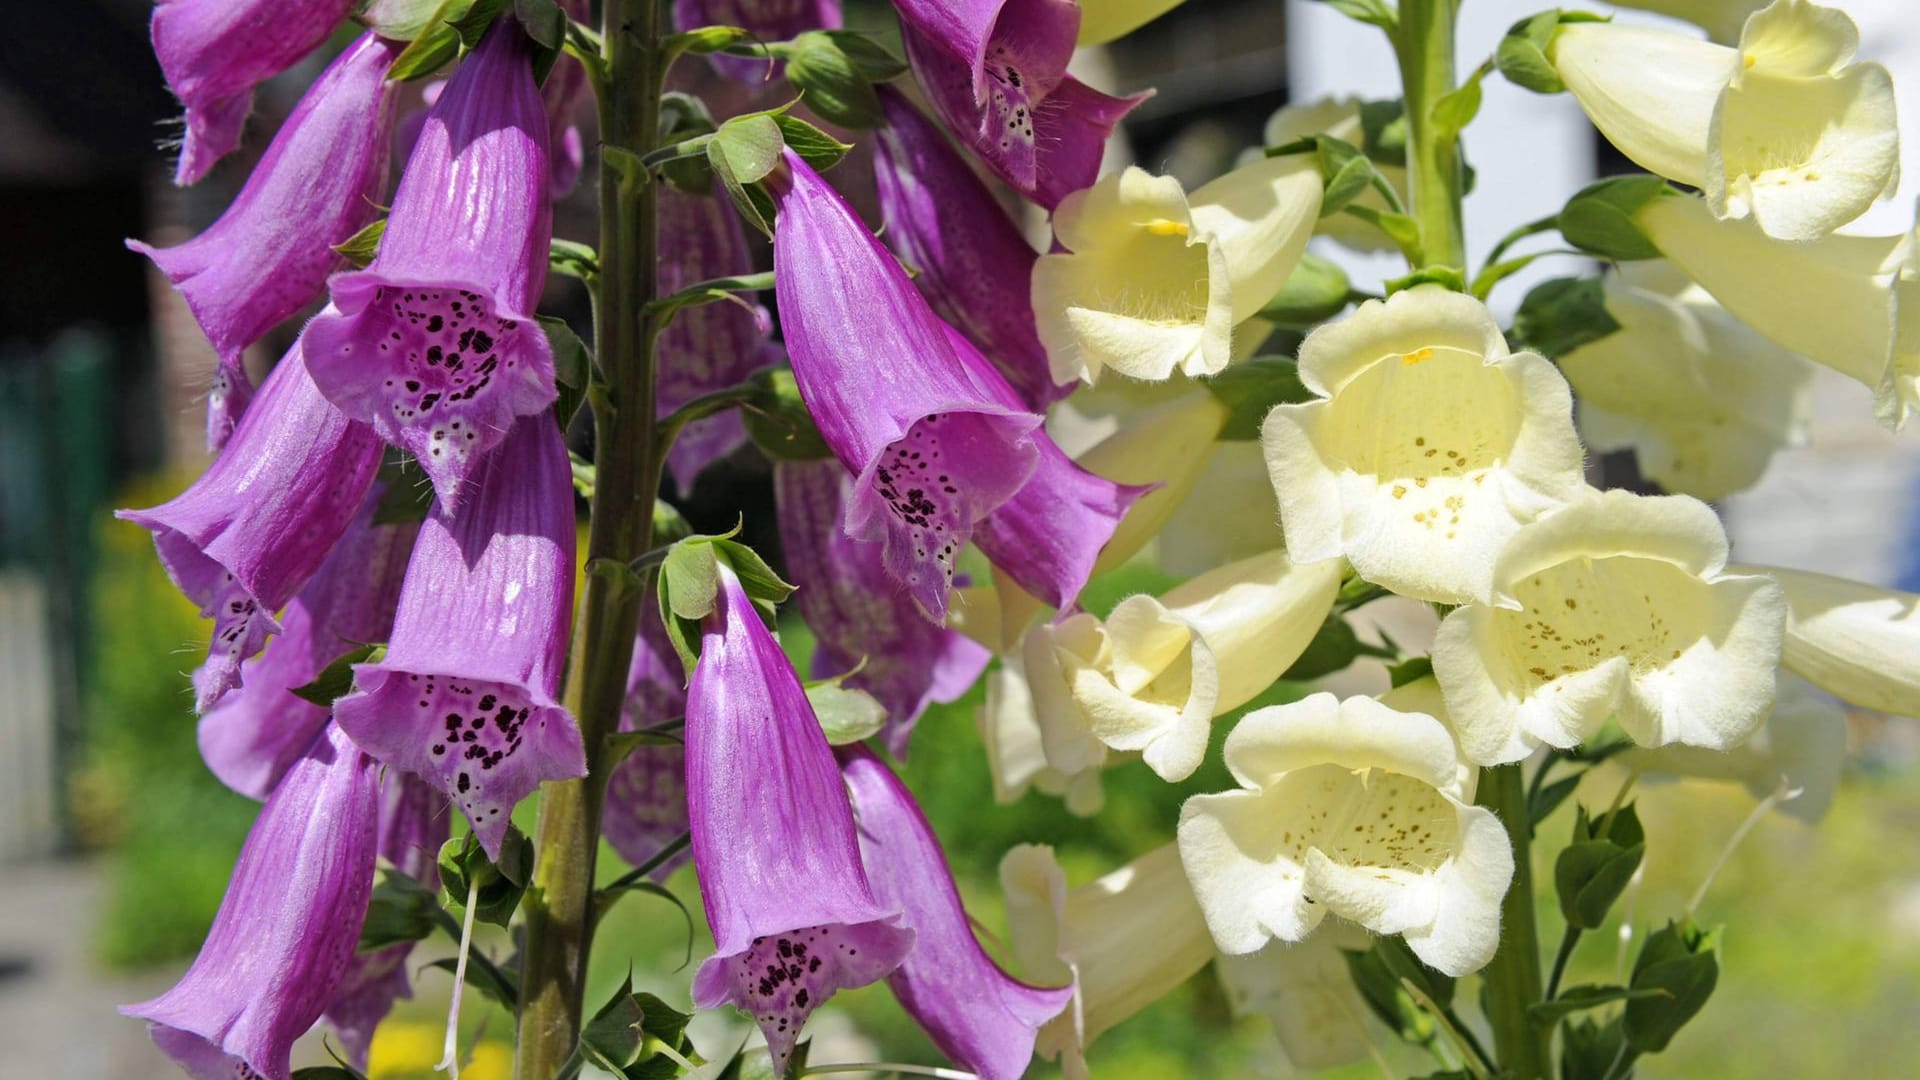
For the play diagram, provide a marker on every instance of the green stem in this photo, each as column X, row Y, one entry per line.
column 1513, row 976
column 1425, row 44
column 559, row 903
column 1560, row 957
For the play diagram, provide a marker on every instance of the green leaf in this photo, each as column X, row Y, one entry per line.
column 815, row 147
column 1316, row 291
column 847, row 716
column 361, row 247
column 1593, row 870
column 572, row 367
column 463, row 863
column 1250, row 389
column 1373, row 12
column 1383, row 129
column 1380, row 988
column 1561, row 315
column 1591, row 1050
column 1600, row 217
column 1347, row 181
column 1333, row 648
column 613, row 1037
column 1399, row 228
column 1581, row 998
column 1522, row 55
column 778, row 421
column 336, row 681
column 1548, row 798
column 1457, row 108
column 684, row 117
column 401, row 909
column 1412, row 669
column 756, row 577
column 663, row 1026
column 575, row 260
column 1448, row 277
column 1679, row 960
column 500, row 985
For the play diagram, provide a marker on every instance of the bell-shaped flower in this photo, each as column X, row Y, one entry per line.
column 1803, row 747
column 862, row 623
column 1721, row 19
column 435, row 343
column 1167, row 448
column 767, row 20
column 1152, row 676
column 1701, row 399
column 1849, row 302
column 931, row 451
column 1123, row 940
column 1009, row 728
column 1784, row 127
column 249, row 533
column 287, row 929
column 465, row 696
column 794, row 918
column 974, row 263
column 1340, row 118
column 1617, row 606
column 258, row 731
column 1350, row 808
column 995, row 71
column 983, row 1019
column 646, row 807
column 1428, row 447
column 1306, row 992
column 1857, row 642
column 1231, row 513
column 1102, row 21
column 214, row 52
column 269, row 255
column 1153, row 281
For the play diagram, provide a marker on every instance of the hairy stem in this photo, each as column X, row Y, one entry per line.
column 559, row 903
column 1513, row 976
column 1425, row 44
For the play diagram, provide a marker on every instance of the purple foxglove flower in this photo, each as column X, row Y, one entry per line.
column 711, row 346
column 256, row 732
column 646, row 806
column 434, row 343
column 269, row 255
column 563, row 93
column 792, row 914
column 287, row 928
column 414, row 822
column 769, row 20
column 249, row 533
column 214, row 52
column 227, row 398
column 465, row 695
column 996, row 73
column 979, row 1016
column 974, row 264
column 855, row 610
column 930, row 451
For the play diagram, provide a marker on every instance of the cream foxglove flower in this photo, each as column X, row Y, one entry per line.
column 1306, row 992
column 1230, row 515
column 1155, row 673
column 1784, row 127
column 1430, row 445
column 1849, row 302
column 1123, row 941
column 1703, row 400
column 1803, row 745
column 1350, row 808
column 1340, row 118
column 1010, row 730
column 1721, row 19
column 1167, row 446
column 1855, row 641
column 1153, row 281
column 1617, row 606
column 1102, row 21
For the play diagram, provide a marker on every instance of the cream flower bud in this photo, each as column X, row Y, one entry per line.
column 1429, row 447
column 1153, row 282
column 1803, row 745
column 1010, row 730
column 1355, row 809
column 1617, row 606
column 1152, row 677
column 1124, row 940
column 1306, row 993
column 1855, row 641
column 1340, row 118
column 1702, row 399
column 1784, row 127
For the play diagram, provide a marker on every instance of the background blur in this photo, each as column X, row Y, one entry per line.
column 115, row 843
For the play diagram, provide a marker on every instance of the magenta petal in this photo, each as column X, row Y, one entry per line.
column 435, row 343
column 465, row 695
column 857, row 613
column 1072, row 133
column 773, row 837
column 978, row 1015
column 646, row 806
column 931, row 452
column 287, row 928
column 227, row 399
column 249, row 533
column 768, row 20
column 214, row 52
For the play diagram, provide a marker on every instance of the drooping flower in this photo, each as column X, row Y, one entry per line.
column 1351, row 808
column 974, row 263
column 1230, row 514
column 258, row 731
column 1152, row 676
column 995, row 71
column 1855, row 641
column 859, row 618
column 214, row 52
column 1803, row 747
column 1430, row 445
column 1153, row 281
column 1618, row 605
column 794, row 919
column 287, row 929
column 434, row 343
column 1340, row 118
column 1702, row 399
column 269, row 255
column 1785, row 127
column 983, row 1019
column 1124, row 940
column 1166, row 449
column 931, row 452
column 249, row 533
column 1009, row 728
column 1102, row 21
column 768, row 20
column 646, row 807
column 464, row 697
column 1306, row 992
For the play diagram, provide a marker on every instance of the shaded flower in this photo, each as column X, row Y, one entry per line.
column 563, row 92
column 1853, row 640
column 646, row 806
column 1009, row 728
column 1803, row 747
column 1306, row 992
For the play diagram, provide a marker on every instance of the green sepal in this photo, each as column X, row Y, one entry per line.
column 1680, row 960
column 1590, row 1050
column 463, row 863
column 432, row 45
column 684, row 117
column 1594, row 869
column 846, row 715
column 612, row 1038
column 815, row 147
column 1457, row 107
column 1522, row 54
column 572, row 367
column 705, row 41
column 360, row 248
column 750, row 145
column 836, row 70
column 1448, row 277
column 1581, row 998
column 1377, row 972
column 545, row 23
column 1334, row 647
column 1317, row 290
column 777, row 419
column 399, row 20
column 1412, row 669
column 689, row 585
column 1383, row 131
column 336, row 681
column 1599, row 218
column 1561, row 315
column 574, row 259
column 474, row 24
column 1250, row 389
column 401, row 910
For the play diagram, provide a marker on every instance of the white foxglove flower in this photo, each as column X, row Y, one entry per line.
column 1617, row 606
column 1306, row 992
column 1340, row 118
column 1154, row 281
column 1010, row 730
column 1429, row 446
column 1784, row 127
column 1721, row 19
column 1351, row 808
column 1857, row 642
column 1803, row 746
column 1702, row 399
column 1123, row 940
column 1155, row 673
